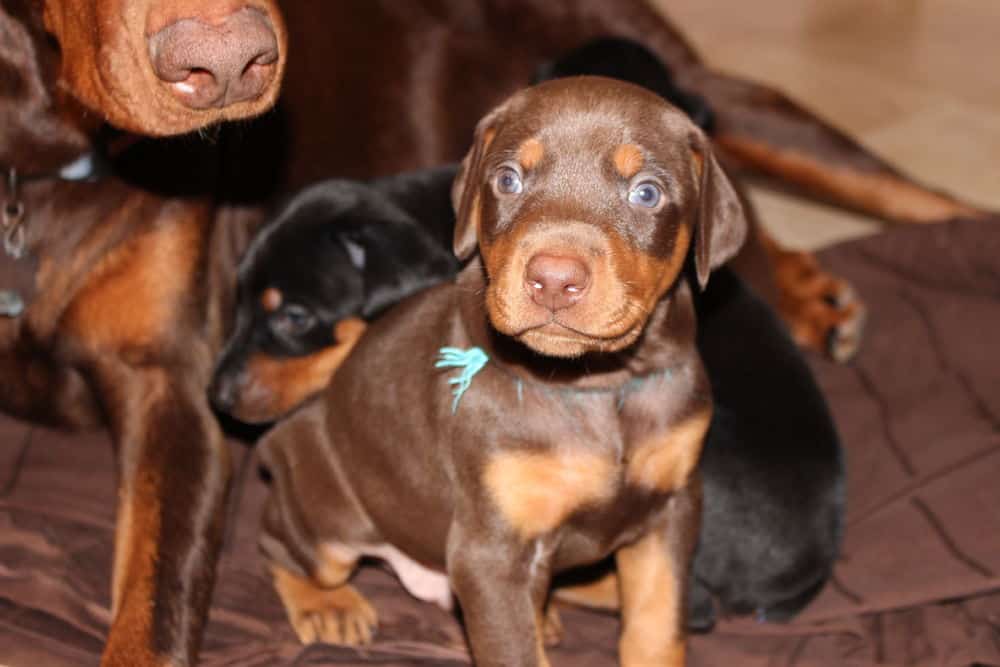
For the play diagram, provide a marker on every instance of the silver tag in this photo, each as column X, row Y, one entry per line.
column 11, row 303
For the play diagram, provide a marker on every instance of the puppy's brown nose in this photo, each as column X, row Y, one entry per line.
column 556, row 282
column 216, row 64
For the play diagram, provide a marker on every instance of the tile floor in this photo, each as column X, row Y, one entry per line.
column 917, row 81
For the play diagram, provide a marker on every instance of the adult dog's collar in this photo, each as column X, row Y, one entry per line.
column 90, row 166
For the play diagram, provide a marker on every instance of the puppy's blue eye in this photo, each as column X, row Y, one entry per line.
column 645, row 194
column 508, row 181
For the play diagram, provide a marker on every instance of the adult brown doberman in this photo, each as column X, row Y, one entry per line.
column 574, row 422
column 111, row 292
column 164, row 67
column 124, row 291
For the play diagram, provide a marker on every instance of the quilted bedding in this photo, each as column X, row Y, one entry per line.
column 918, row 583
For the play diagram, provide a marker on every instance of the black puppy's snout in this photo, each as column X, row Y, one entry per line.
column 222, row 392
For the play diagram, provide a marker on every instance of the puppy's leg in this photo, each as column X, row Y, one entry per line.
column 309, row 552
column 653, row 577
column 502, row 587
column 600, row 593
column 323, row 608
column 552, row 627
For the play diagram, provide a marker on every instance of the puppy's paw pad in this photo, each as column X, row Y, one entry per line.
column 338, row 616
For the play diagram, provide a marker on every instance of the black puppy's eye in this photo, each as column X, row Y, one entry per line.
column 508, row 181
column 292, row 320
column 646, row 194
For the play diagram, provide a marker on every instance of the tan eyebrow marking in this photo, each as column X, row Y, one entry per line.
column 628, row 160
column 271, row 299
column 530, row 152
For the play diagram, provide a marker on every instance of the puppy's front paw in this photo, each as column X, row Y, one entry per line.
column 336, row 616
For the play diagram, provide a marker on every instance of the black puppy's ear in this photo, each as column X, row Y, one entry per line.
column 351, row 238
column 721, row 224
column 465, row 189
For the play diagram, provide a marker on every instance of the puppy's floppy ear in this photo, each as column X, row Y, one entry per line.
column 721, row 224
column 465, row 189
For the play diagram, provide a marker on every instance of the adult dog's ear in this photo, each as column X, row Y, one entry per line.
column 467, row 186
column 721, row 224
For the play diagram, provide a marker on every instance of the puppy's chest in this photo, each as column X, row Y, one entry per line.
column 597, row 464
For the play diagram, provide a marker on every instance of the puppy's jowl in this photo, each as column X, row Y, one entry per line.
column 543, row 411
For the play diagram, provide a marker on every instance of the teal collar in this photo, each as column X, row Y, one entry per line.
column 471, row 361
column 474, row 359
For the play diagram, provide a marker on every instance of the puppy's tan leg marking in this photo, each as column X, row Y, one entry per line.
column 664, row 462
column 651, row 604
column 600, row 593
column 536, row 492
column 325, row 608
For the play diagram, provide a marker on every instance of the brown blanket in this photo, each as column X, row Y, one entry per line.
column 918, row 584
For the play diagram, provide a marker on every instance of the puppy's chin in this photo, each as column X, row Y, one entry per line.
column 554, row 340
column 256, row 404
column 256, row 414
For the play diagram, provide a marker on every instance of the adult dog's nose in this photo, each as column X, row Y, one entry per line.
column 216, row 64
column 556, row 281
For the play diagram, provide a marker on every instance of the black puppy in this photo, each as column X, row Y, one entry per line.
column 336, row 254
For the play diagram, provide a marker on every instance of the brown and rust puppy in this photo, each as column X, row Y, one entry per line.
column 576, row 435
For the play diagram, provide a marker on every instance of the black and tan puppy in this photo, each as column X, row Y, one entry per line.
column 335, row 255
column 580, row 403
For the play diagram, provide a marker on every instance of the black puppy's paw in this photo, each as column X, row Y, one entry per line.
column 701, row 610
column 786, row 610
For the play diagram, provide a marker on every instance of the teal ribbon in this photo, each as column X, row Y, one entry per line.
column 471, row 361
